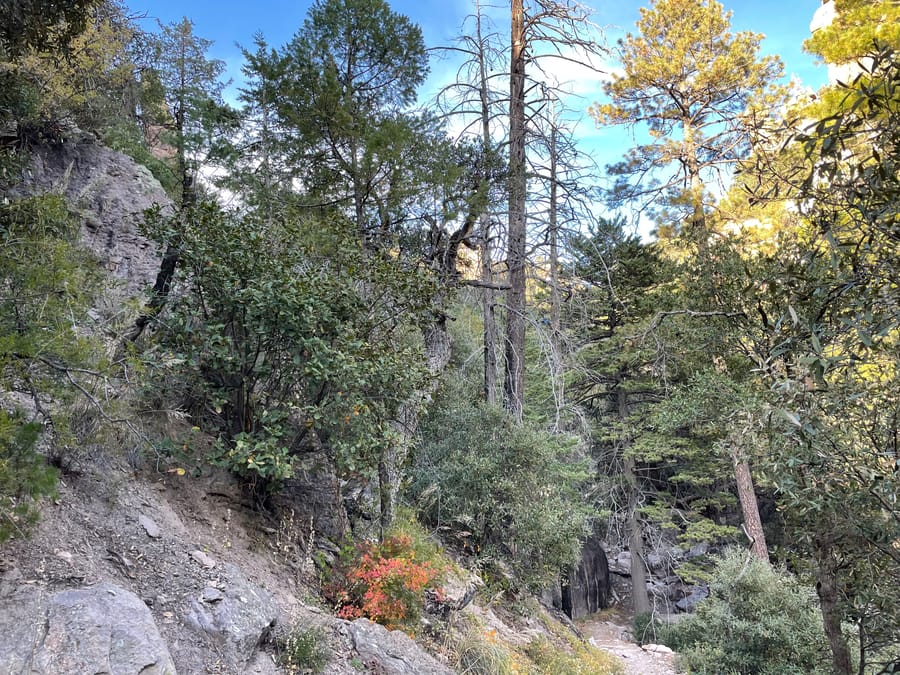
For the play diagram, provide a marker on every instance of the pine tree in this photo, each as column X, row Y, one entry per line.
column 688, row 81
column 350, row 74
column 193, row 93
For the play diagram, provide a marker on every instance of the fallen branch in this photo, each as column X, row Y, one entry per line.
column 485, row 284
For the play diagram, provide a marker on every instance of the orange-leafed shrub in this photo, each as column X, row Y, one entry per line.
column 382, row 582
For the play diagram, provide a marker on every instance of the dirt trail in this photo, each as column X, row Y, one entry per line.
column 637, row 660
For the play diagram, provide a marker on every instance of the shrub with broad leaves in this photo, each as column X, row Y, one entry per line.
column 383, row 582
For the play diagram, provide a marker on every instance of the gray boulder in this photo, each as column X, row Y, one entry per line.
column 391, row 652
column 621, row 564
column 687, row 603
column 239, row 616
column 109, row 192
column 103, row 629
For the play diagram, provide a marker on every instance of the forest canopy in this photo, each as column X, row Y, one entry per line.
column 444, row 305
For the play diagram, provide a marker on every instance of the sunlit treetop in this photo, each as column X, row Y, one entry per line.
column 856, row 26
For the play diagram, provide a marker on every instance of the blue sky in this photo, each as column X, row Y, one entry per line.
column 785, row 23
column 227, row 22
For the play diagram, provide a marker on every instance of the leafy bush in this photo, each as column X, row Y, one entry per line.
column 304, row 650
column 646, row 628
column 756, row 620
column 510, row 492
column 308, row 346
column 24, row 476
column 382, row 582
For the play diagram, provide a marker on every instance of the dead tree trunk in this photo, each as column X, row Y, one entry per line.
column 639, row 595
column 514, row 379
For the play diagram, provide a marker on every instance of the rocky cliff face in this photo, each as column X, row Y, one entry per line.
column 108, row 192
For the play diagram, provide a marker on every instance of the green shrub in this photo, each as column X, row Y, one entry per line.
column 24, row 476
column 509, row 492
column 46, row 284
column 646, row 628
column 307, row 346
column 756, row 620
column 304, row 650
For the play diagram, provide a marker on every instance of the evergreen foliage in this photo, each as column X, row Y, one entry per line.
column 24, row 476
column 756, row 620
column 689, row 81
column 509, row 492
column 46, row 282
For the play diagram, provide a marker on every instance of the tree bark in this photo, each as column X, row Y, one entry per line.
column 514, row 380
column 749, row 507
column 557, row 380
column 488, row 311
column 488, row 303
column 639, row 595
column 828, row 591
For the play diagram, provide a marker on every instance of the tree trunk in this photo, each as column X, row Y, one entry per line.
column 749, row 507
column 488, row 303
column 514, row 380
column 557, row 380
column 488, row 311
column 639, row 595
column 172, row 255
column 829, row 602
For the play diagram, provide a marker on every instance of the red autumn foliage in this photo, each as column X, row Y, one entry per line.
column 382, row 582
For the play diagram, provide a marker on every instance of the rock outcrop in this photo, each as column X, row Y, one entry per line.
column 109, row 192
column 96, row 629
column 587, row 588
column 238, row 616
column 667, row 590
column 384, row 651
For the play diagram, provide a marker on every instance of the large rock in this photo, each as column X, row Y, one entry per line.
column 102, row 629
column 239, row 616
column 314, row 496
column 687, row 603
column 621, row 564
column 587, row 590
column 390, row 652
column 109, row 192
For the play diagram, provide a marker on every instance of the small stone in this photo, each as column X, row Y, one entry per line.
column 211, row 594
column 203, row 559
column 150, row 527
column 657, row 649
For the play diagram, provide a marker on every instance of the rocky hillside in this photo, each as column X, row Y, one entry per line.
column 160, row 572
column 147, row 567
